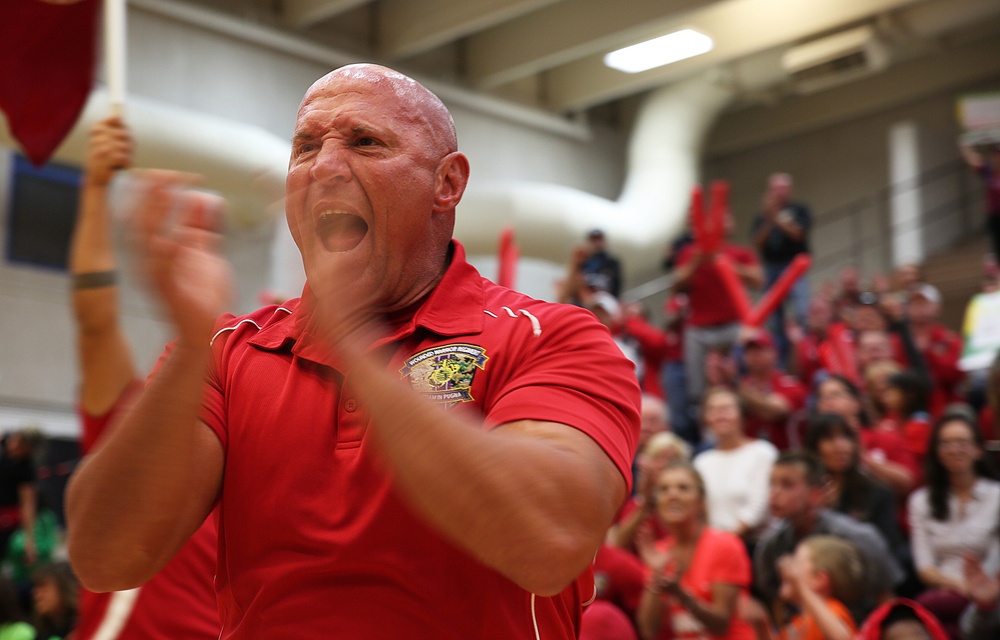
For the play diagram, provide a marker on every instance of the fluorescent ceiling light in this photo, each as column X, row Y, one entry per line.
column 657, row 52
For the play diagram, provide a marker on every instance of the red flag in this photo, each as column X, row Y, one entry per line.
column 47, row 58
column 508, row 254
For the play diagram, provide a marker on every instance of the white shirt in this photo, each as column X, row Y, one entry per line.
column 737, row 482
column 941, row 544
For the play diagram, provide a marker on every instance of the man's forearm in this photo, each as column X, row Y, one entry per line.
column 133, row 502
column 522, row 501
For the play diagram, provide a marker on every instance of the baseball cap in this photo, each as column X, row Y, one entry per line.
column 595, row 233
column 606, row 301
column 760, row 339
column 928, row 292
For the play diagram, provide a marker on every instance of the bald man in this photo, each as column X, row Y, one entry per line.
column 407, row 450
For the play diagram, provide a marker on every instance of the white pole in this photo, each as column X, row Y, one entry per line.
column 114, row 53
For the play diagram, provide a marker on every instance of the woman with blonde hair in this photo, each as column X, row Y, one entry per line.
column 696, row 573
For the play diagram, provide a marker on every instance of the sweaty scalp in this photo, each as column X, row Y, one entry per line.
column 419, row 103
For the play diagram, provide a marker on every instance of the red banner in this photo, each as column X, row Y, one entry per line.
column 47, row 57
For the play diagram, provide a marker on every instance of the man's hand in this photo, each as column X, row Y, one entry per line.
column 109, row 149
column 178, row 246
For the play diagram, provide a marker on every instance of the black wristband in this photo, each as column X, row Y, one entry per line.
column 94, row 280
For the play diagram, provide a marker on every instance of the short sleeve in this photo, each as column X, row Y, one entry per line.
column 573, row 373
column 730, row 562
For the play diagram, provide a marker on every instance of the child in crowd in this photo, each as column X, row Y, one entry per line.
column 823, row 574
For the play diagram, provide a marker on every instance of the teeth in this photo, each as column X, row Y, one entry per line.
column 330, row 212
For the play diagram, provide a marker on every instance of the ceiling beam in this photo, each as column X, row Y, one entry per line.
column 409, row 27
column 738, row 27
column 560, row 34
column 305, row 13
column 907, row 82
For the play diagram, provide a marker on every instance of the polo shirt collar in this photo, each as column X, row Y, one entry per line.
column 454, row 307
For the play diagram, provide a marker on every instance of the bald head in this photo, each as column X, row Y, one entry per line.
column 413, row 98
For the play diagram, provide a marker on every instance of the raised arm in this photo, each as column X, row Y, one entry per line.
column 158, row 472
column 105, row 361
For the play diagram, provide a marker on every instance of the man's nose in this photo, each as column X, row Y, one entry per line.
column 331, row 163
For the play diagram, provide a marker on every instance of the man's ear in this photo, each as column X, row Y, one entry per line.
column 450, row 181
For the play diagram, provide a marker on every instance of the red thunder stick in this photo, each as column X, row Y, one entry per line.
column 698, row 221
column 507, row 256
column 776, row 294
column 715, row 225
column 731, row 281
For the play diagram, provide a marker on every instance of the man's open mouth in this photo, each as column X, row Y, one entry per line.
column 340, row 231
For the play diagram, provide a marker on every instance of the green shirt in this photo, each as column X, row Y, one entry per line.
column 17, row 631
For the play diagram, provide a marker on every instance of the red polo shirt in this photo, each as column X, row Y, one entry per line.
column 314, row 540
column 178, row 602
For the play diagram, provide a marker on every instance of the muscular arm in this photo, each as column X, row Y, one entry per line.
column 530, row 499
column 136, row 500
column 105, row 360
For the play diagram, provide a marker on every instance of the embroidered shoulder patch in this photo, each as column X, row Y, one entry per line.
column 445, row 373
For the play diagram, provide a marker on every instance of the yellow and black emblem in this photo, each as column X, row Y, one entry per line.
column 445, row 373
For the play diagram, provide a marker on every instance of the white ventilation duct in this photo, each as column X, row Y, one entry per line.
column 662, row 167
column 243, row 163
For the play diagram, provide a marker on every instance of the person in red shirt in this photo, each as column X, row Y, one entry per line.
column 714, row 320
column 407, row 450
column 940, row 347
column 179, row 601
column 696, row 575
column 884, row 453
column 774, row 400
column 904, row 404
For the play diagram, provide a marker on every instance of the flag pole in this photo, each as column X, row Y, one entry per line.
column 114, row 53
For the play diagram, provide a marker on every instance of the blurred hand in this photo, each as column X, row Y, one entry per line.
column 178, row 237
column 651, row 555
column 979, row 587
column 109, row 149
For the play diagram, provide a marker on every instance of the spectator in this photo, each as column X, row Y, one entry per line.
column 714, row 320
column 179, row 601
column 848, row 293
column 18, row 491
column 55, row 596
column 736, row 471
column 780, row 233
column 851, row 490
column 797, row 496
column 651, row 343
column 989, row 171
column 696, row 574
column 954, row 517
column 904, row 404
column 774, row 400
column 601, row 270
column 672, row 375
column 13, row 624
column 661, row 450
column 901, row 619
column 823, row 575
column 807, row 362
column 883, row 453
column 940, row 347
